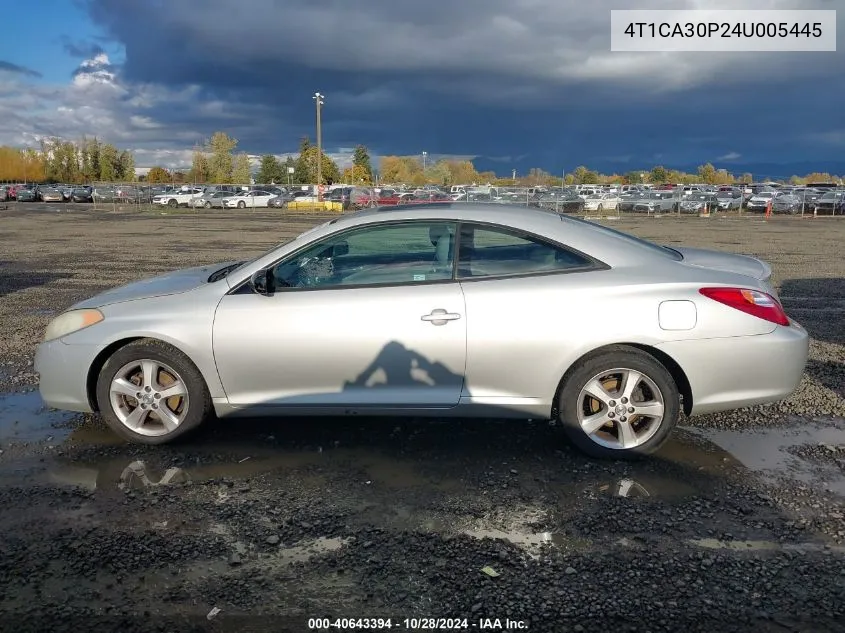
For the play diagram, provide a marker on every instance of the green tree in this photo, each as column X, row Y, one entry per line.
column 126, row 166
column 222, row 163
column 361, row 160
column 659, row 174
column 108, row 162
column 301, row 173
column 328, row 168
column 636, row 177
column 158, row 175
column 270, row 171
column 746, row 177
column 241, row 173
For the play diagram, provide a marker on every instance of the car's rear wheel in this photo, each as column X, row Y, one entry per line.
column 151, row 393
column 621, row 404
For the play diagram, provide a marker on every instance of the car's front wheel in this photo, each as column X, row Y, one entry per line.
column 207, row 204
column 620, row 404
column 151, row 393
column 242, row 205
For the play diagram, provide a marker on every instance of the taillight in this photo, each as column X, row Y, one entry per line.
column 753, row 302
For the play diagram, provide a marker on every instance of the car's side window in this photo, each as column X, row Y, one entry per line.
column 489, row 252
column 405, row 253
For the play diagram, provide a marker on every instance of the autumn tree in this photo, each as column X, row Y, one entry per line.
column 241, row 171
column 270, row 170
column 158, row 175
column 707, row 173
column 401, row 169
column 220, row 147
column 200, row 167
column 356, row 174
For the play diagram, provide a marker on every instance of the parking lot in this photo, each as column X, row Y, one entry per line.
column 737, row 524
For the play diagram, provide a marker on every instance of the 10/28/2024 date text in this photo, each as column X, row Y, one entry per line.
column 417, row 624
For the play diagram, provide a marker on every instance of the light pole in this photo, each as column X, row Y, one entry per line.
column 424, row 155
column 318, row 100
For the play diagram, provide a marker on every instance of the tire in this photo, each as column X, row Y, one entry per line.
column 189, row 410
column 575, row 405
column 242, row 205
column 600, row 208
column 207, row 204
column 172, row 203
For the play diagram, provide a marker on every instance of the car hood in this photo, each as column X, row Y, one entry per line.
column 728, row 262
column 170, row 283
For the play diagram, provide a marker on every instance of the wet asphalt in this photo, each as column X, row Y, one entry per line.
column 738, row 524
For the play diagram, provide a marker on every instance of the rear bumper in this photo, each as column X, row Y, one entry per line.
column 737, row 372
column 63, row 371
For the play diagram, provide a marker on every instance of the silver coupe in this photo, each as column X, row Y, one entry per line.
column 444, row 310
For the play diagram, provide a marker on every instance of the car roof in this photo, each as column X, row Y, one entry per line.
column 610, row 246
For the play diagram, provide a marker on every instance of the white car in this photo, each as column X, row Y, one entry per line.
column 249, row 199
column 761, row 200
column 601, row 201
column 181, row 198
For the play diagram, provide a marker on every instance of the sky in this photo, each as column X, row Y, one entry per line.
column 511, row 84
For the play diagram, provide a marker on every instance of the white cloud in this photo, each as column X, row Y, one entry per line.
column 730, row 156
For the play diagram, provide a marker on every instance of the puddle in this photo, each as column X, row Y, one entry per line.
column 766, row 546
column 770, row 452
column 24, row 418
column 645, row 485
column 124, row 474
column 305, row 551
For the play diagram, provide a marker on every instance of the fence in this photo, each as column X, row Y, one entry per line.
column 200, row 197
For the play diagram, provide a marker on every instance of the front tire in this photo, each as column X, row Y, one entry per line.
column 621, row 404
column 242, row 205
column 149, row 392
column 207, row 204
column 172, row 203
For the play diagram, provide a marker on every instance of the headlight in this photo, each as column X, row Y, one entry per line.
column 71, row 321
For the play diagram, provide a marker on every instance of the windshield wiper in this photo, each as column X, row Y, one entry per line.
column 220, row 274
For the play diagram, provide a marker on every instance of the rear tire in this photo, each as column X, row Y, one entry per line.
column 606, row 428
column 149, row 416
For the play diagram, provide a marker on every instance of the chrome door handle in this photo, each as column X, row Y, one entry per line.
column 440, row 317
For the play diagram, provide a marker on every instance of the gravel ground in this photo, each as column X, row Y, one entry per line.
column 736, row 525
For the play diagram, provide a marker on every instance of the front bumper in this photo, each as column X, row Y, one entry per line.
column 63, row 372
column 742, row 371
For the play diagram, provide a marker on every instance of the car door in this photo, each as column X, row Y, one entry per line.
column 371, row 317
column 519, row 291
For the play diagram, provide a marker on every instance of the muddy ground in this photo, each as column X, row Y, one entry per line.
column 736, row 525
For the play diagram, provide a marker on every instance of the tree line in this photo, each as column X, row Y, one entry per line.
column 58, row 160
column 217, row 162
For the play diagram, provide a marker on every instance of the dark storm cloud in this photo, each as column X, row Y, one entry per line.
column 18, row 70
column 519, row 78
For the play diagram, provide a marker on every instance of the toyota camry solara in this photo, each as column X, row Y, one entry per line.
column 444, row 310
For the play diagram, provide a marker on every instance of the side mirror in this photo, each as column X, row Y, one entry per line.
column 263, row 282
